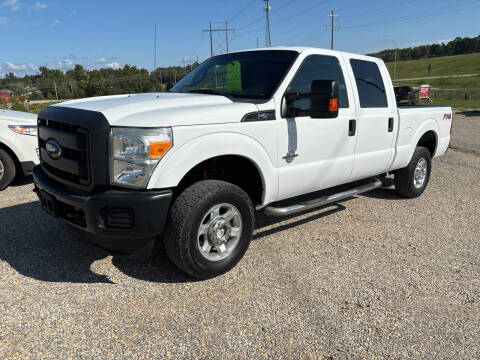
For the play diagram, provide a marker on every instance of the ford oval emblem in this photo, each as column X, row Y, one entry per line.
column 54, row 150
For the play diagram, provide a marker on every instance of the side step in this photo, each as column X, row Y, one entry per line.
column 306, row 205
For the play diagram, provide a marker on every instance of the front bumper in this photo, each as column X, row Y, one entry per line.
column 121, row 221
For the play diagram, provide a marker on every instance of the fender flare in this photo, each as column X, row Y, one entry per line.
column 176, row 164
column 428, row 125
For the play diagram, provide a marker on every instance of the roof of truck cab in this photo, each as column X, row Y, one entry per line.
column 301, row 49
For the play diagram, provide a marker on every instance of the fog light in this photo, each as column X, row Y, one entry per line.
column 118, row 218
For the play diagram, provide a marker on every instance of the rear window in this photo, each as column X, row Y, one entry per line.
column 371, row 88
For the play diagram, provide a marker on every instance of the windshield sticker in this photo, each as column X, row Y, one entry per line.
column 234, row 76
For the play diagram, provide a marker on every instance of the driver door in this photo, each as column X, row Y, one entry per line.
column 315, row 154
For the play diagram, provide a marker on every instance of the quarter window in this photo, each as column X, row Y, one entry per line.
column 317, row 67
column 371, row 88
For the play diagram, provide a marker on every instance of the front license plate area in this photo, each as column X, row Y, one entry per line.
column 49, row 204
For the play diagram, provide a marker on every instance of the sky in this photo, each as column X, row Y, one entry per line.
column 108, row 33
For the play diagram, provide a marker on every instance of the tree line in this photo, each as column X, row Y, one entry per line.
column 459, row 46
column 52, row 84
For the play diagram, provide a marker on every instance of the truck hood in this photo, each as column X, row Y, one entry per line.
column 10, row 117
column 164, row 109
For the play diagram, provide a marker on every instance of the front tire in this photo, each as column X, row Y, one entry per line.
column 7, row 169
column 209, row 228
column 412, row 180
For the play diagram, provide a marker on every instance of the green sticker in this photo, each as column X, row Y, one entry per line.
column 234, row 76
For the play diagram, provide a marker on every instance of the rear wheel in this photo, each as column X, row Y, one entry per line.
column 7, row 169
column 412, row 180
column 209, row 228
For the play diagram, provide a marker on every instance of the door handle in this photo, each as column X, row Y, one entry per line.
column 390, row 124
column 352, row 127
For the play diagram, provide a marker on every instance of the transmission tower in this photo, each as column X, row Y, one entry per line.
column 211, row 30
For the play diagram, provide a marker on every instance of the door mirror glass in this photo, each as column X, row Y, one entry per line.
column 322, row 98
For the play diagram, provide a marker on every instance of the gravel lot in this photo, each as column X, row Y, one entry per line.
column 466, row 131
column 376, row 276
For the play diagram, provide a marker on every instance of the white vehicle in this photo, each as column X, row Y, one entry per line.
column 244, row 132
column 18, row 144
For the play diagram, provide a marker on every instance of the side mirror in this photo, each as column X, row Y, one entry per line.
column 169, row 86
column 324, row 99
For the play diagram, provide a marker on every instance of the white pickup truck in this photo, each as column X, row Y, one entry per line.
column 18, row 144
column 243, row 132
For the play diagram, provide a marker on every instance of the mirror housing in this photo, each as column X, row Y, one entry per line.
column 323, row 98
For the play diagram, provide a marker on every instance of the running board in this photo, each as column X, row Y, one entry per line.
column 324, row 200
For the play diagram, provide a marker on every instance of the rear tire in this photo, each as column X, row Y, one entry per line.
column 209, row 228
column 7, row 169
column 412, row 180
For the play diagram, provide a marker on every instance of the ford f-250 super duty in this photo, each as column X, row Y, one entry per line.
column 241, row 133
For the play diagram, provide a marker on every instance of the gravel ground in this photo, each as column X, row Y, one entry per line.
column 466, row 131
column 376, row 276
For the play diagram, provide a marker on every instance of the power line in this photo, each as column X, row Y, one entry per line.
column 283, row 6
column 241, row 11
column 281, row 20
column 379, row 9
column 437, row 12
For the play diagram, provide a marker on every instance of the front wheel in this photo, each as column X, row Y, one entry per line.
column 7, row 169
column 412, row 180
column 209, row 228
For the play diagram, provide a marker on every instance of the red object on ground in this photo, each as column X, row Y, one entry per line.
column 424, row 92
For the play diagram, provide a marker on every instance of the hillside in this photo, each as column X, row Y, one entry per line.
column 459, row 92
column 441, row 66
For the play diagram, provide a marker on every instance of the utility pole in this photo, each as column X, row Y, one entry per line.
column 268, row 41
column 155, row 59
column 333, row 26
column 211, row 31
column 55, row 86
column 395, row 65
column 226, row 34
column 211, row 40
column 155, row 51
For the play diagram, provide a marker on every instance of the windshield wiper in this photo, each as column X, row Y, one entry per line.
column 209, row 92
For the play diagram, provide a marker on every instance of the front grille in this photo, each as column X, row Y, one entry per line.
column 73, row 165
column 82, row 135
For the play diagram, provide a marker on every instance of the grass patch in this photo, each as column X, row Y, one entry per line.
column 441, row 66
column 460, row 93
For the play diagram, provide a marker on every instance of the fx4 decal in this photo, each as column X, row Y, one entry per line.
column 447, row 116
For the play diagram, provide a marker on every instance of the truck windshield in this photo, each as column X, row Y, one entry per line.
column 249, row 74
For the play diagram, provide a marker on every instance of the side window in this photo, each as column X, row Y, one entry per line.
column 371, row 89
column 317, row 67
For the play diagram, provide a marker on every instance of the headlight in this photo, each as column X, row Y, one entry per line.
column 24, row 129
column 135, row 153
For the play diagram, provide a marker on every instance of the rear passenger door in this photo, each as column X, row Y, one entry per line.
column 376, row 120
